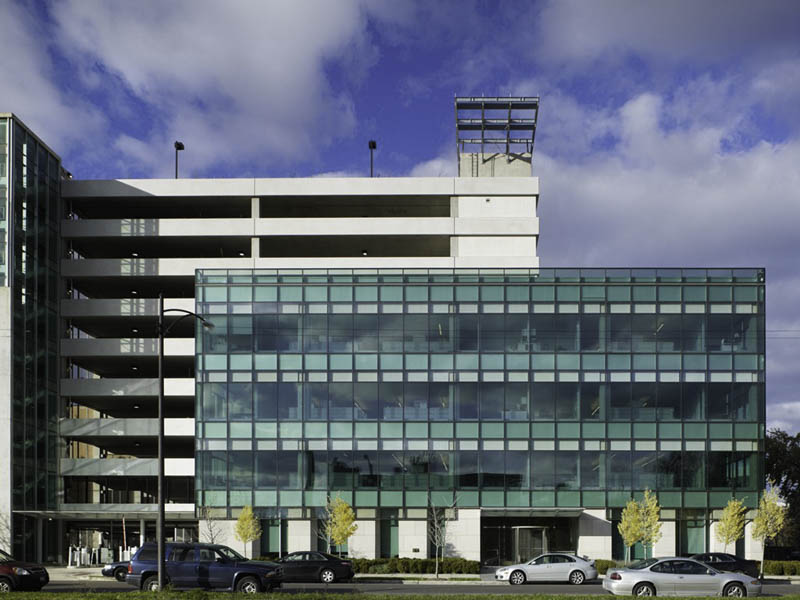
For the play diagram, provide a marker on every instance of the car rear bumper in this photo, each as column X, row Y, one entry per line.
column 617, row 586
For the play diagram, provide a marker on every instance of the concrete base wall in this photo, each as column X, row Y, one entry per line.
column 594, row 534
column 300, row 535
column 666, row 545
column 224, row 532
column 464, row 535
column 364, row 543
column 413, row 539
column 753, row 549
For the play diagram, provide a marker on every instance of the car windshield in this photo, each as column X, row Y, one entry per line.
column 643, row 564
column 5, row 557
column 230, row 553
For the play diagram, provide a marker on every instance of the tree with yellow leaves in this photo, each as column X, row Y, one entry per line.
column 651, row 521
column 248, row 527
column 630, row 526
column 730, row 526
column 342, row 521
column 769, row 518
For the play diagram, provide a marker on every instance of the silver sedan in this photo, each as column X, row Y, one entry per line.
column 678, row 577
column 549, row 567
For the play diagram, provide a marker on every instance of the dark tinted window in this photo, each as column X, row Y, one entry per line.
column 664, row 567
column 148, row 553
column 182, row 554
column 689, row 568
column 316, row 556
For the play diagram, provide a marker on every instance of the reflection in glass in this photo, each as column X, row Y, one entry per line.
column 441, row 401
column 543, row 401
column 491, row 396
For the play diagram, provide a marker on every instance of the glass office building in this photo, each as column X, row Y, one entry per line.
column 539, row 397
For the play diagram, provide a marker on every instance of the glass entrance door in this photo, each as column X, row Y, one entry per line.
column 529, row 542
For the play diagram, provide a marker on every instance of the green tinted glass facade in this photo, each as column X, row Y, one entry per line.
column 545, row 388
column 29, row 243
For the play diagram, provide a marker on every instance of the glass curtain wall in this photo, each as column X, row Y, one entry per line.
column 543, row 388
column 33, row 253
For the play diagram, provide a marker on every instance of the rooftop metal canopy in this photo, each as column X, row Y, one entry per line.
column 510, row 122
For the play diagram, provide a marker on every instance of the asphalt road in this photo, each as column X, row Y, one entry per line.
column 108, row 585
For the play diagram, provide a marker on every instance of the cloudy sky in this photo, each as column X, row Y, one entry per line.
column 669, row 132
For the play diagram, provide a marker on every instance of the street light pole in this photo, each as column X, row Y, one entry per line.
column 372, row 146
column 162, row 331
column 178, row 147
column 160, row 520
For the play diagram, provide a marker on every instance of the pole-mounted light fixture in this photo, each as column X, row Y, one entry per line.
column 178, row 147
column 162, row 331
column 373, row 145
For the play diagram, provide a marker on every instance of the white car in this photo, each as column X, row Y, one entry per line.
column 552, row 566
column 678, row 577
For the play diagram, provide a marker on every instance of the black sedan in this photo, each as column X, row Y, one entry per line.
column 315, row 566
column 728, row 562
column 117, row 570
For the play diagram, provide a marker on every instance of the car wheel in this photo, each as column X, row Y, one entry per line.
column 577, row 577
column 644, row 589
column 150, row 584
column 248, row 585
column 327, row 576
column 120, row 574
column 516, row 578
column 5, row 586
column 734, row 589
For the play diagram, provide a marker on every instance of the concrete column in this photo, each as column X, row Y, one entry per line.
column 666, row 545
column 364, row 542
column 713, row 544
column 464, row 535
column 141, row 532
column 299, row 535
column 255, row 208
column 753, row 548
column 594, row 534
column 413, row 539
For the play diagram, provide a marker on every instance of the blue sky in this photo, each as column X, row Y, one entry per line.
column 669, row 132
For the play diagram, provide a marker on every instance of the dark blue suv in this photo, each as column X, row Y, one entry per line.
column 205, row 566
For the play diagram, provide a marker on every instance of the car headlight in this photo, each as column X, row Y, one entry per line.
column 505, row 570
column 21, row 571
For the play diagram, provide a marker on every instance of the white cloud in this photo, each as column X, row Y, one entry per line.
column 573, row 31
column 436, row 167
column 236, row 82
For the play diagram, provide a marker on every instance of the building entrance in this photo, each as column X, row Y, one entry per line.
column 529, row 541
column 512, row 539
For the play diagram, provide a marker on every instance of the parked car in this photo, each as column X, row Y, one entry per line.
column 315, row 566
column 678, row 577
column 206, row 566
column 118, row 570
column 727, row 562
column 21, row 575
column 549, row 567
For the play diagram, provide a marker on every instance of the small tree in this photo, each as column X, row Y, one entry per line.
column 730, row 526
column 769, row 518
column 213, row 533
column 630, row 526
column 248, row 528
column 325, row 525
column 437, row 529
column 342, row 522
column 651, row 521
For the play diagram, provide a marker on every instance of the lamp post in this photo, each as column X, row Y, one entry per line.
column 162, row 331
column 178, row 147
column 372, row 146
